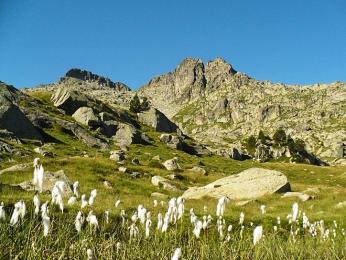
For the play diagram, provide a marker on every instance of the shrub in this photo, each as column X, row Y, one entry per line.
column 279, row 137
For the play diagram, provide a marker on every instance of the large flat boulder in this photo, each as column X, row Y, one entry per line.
column 249, row 184
column 48, row 182
column 157, row 120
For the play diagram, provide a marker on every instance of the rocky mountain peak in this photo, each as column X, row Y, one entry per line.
column 88, row 76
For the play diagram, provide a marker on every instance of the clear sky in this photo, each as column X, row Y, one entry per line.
column 295, row 41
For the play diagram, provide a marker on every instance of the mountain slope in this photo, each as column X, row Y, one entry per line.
column 217, row 105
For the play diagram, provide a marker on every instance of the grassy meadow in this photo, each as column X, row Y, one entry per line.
column 92, row 167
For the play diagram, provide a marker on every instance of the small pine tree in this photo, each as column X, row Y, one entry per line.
column 251, row 144
column 135, row 104
column 145, row 105
column 262, row 137
column 279, row 137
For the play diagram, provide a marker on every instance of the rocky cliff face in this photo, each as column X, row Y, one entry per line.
column 217, row 105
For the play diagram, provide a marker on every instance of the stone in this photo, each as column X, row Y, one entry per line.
column 199, row 170
column 172, row 164
column 165, row 138
column 162, row 182
column 86, row 116
column 157, row 120
column 122, row 169
column 16, row 168
column 302, row 196
column 128, row 134
column 48, row 183
column 42, row 152
column 246, row 185
column 176, row 176
column 117, row 155
column 82, row 134
column 107, row 184
column 69, row 100
column 340, row 205
column 159, row 195
column 156, row 158
column 135, row 161
column 136, row 174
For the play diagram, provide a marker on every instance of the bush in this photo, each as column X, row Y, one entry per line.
column 279, row 137
column 250, row 144
column 137, row 106
column 262, row 137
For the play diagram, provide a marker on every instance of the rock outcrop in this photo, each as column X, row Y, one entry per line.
column 157, row 120
column 246, row 185
column 128, row 134
column 12, row 118
column 86, row 116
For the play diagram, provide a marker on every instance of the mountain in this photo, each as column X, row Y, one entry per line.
column 206, row 108
column 219, row 106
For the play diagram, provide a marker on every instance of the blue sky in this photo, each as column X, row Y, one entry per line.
column 292, row 41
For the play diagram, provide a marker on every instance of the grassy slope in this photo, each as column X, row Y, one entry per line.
column 91, row 171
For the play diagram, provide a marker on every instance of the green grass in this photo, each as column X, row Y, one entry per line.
column 91, row 167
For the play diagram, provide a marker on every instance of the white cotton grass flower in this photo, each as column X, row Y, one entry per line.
column 107, row 216
column 38, row 175
column 220, row 208
column 155, row 203
column 72, row 200
column 257, row 234
column 46, row 224
column 159, row 221
column 165, row 223
column 147, row 227
column 2, row 211
column 241, row 218
column 197, row 229
column 36, row 201
column 75, row 188
column 263, row 209
column 118, row 246
column 295, row 211
column 275, row 228
column 92, row 197
column 90, row 254
column 278, row 220
column 123, row 217
column 44, row 209
column 134, row 217
column 84, row 202
column 15, row 214
column 92, row 219
column 117, row 203
column 22, row 210
column 177, row 254
column 141, row 213
column 79, row 221
column 133, row 231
